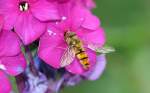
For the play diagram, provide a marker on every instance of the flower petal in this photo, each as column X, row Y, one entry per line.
column 52, row 47
column 29, row 28
column 51, row 56
column 91, row 21
column 98, row 69
column 9, row 43
column 77, row 16
column 9, row 20
column 73, row 80
column 76, row 68
column 81, row 16
column 65, row 9
column 74, row 15
column 90, row 4
column 5, row 86
column 1, row 22
column 14, row 65
column 9, row 10
column 45, row 11
column 96, row 37
column 63, row 1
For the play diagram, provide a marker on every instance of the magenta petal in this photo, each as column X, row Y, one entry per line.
column 65, row 9
column 45, row 11
column 81, row 16
column 63, row 1
column 14, row 65
column 76, row 67
column 98, row 69
column 10, row 20
column 90, row 4
column 1, row 22
column 77, row 16
column 94, row 37
column 8, row 9
column 5, row 86
column 9, row 43
column 51, row 56
column 29, row 28
column 91, row 21
column 51, row 47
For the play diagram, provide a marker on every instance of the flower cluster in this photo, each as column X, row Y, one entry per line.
column 62, row 36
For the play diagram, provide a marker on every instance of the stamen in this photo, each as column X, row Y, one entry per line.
column 23, row 6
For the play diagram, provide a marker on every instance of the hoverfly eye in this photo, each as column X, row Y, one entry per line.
column 23, row 6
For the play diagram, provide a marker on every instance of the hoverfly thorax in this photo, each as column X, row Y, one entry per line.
column 70, row 38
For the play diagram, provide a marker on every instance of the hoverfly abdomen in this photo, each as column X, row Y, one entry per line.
column 84, row 60
column 85, row 63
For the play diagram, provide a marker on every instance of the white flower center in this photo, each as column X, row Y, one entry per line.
column 23, row 6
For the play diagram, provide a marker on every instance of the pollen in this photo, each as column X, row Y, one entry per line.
column 23, row 6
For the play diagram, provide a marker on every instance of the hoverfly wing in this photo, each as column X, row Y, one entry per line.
column 101, row 50
column 68, row 57
column 105, row 50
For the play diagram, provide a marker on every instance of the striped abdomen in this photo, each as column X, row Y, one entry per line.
column 82, row 57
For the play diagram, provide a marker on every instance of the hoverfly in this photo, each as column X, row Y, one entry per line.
column 76, row 49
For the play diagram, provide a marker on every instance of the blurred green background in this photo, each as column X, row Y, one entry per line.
column 127, row 26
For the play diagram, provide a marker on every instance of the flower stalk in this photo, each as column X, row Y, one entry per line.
column 20, row 81
column 31, row 61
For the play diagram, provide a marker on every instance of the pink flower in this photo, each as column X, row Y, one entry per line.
column 28, row 17
column 80, row 21
column 12, row 61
